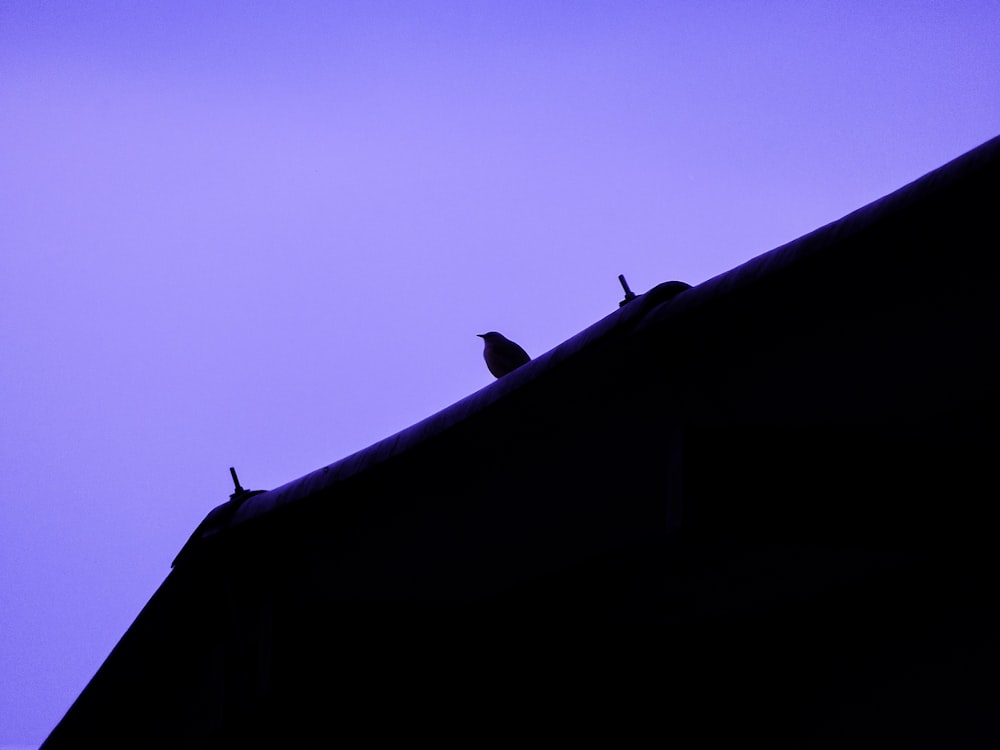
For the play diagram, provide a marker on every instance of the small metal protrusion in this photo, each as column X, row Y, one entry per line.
column 629, row 294
column 236, row 483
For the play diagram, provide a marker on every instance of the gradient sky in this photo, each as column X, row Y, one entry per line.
column 265, row 234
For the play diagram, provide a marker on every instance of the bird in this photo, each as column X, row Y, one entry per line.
column 501, row 354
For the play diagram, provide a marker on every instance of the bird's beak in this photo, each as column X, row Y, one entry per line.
column 481, row 335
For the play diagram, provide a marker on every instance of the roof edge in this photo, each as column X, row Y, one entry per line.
column 242, row 509
column 636, row 313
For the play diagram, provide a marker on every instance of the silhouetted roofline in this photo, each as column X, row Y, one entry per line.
column 261, row 503
column 794, row 451
column 661, row 311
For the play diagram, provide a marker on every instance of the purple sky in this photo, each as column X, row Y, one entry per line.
column 264, row 235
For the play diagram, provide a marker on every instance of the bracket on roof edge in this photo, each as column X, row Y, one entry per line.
column 629, row 294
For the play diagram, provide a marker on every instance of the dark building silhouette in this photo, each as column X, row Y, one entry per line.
column 761, row 509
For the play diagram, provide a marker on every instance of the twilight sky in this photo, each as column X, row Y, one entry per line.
column 265, row 234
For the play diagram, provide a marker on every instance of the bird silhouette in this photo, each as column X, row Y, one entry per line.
column 501, row 354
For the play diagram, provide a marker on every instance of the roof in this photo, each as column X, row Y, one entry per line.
column 781, row 468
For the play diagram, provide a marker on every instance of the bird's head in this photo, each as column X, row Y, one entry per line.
column 491, row 336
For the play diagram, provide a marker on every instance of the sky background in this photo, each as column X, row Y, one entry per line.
column 265, row 234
